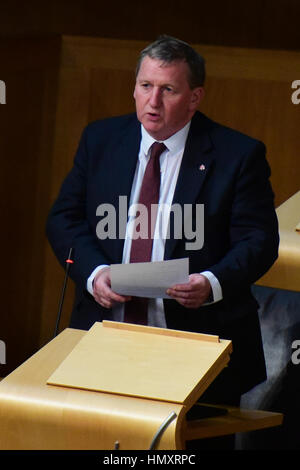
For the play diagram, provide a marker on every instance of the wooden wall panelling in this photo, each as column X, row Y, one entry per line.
column 252, row 23
column 26, row 123
column 71, row 117
column 96, row 80
column 250, row 90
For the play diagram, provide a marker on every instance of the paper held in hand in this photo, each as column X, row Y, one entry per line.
column 150, row 279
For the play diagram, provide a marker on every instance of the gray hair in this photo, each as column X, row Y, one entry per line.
column 169, row 49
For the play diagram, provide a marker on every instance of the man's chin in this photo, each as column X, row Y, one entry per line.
column 155, row 130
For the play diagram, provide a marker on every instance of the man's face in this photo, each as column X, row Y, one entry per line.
column 164, row 100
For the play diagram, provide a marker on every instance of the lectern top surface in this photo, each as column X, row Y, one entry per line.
column 144, row 362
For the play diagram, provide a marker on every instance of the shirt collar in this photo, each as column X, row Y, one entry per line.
column 174, row 143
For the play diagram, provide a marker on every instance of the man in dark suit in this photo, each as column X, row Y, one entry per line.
column 203, row 163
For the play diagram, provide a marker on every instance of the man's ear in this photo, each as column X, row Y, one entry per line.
column 196, row 97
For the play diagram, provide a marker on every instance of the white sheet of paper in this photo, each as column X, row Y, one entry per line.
column 149, row 279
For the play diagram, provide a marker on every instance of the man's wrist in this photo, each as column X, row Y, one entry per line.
column 89, row 284
column 216, row 289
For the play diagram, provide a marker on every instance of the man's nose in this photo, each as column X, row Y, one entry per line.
column 155, row 99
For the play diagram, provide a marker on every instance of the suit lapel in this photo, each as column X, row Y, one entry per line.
column 124, row 158
column 195, row 166
column 120, row 169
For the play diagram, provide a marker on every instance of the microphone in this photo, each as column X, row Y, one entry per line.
column 69, row 262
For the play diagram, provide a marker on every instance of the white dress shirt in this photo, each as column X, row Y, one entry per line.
column 170, row 161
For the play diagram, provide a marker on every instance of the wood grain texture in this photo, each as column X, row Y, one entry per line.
column 37, row 416
column 160, row 331
column 284, row 274
column 142, row 363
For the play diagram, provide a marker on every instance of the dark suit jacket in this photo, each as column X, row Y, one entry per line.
column 240, row 227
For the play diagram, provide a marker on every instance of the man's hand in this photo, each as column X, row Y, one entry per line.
column 194, row 293
column 102, row 290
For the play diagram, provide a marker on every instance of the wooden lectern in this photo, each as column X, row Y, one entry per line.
column 118, row 386
column 284, row 274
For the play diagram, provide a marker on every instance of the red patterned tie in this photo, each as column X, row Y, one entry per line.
column 141, row 248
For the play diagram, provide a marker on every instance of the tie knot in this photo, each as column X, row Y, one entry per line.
column 157, row 149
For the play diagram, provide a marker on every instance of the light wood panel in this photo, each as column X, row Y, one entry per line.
column 161, row 331
column 37, row 416
column 144, row 362
column 285, row 273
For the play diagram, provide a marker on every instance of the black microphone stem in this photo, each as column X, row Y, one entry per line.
column 69, row 261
